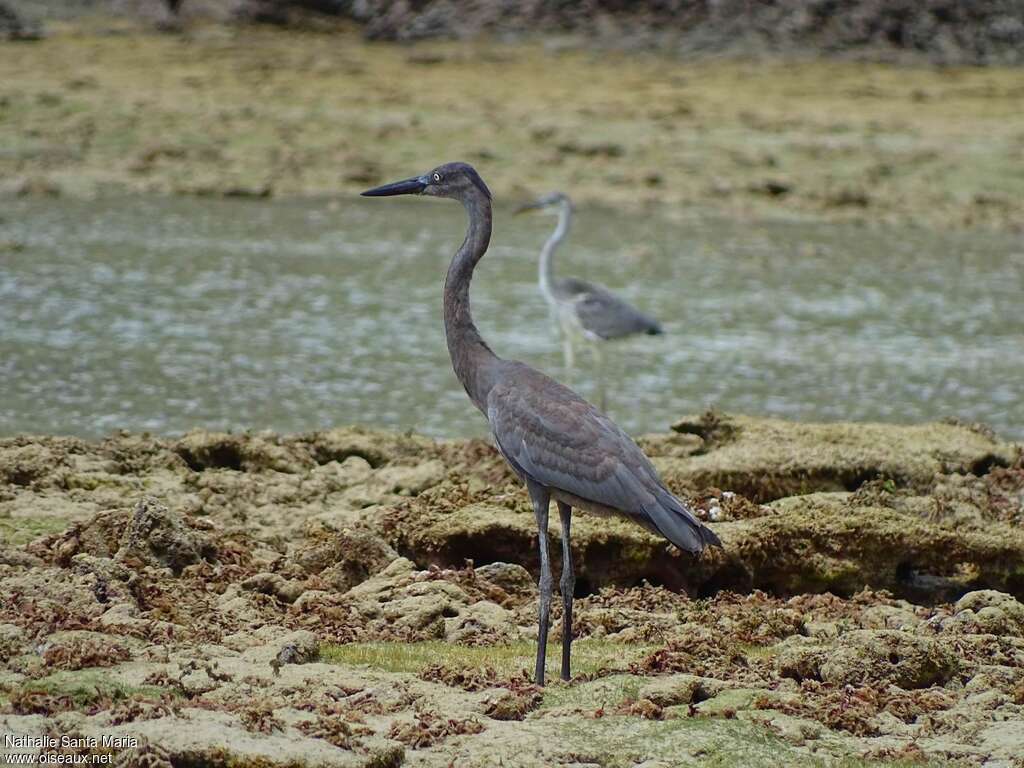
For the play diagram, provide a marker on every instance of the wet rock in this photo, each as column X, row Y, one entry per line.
column 124, row 619
column 420, row 609
column 479, row 621
column 376, row 447
column 800, row 658
column 816, row 543
column 674, row 690
column 248, row 453
column 18, row 558
column 730, row 701
column 276, row 585
column 260, row 192
column 847, row 197
column 869, row 656
column 111, row 581
column 891, row 656
column 157, row 536
column 402, row 603
column 512, row 578
column 824, row 541
column 13, row 640
column 606, row 550
column 830, row 542
column 410, row 480
column 968, row 32
column 204, row 737
column 505, row 704
column 1003, row 741
column 596, row 149
column 988, row 677
column 889, row 617
column 338, row 476
column 239, row 609
column 822, row 629
column 772, row 188
column 14, row 26
column 209, row 636
column 767, row 459
column 99, row 536
column 299, row 647
column 991, row 612
column 25, row 465
column 38, row 186
column 346, row 558
column 82, row 649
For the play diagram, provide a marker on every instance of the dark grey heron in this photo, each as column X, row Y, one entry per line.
column 561, row 446
column 583, row 312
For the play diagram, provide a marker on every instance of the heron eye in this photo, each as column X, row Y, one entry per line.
column 437, row 177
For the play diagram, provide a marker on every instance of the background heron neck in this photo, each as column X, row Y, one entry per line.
column 472, row 359
column 547, row 255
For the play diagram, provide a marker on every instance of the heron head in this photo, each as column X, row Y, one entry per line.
column 555, row 202
column 459, row 181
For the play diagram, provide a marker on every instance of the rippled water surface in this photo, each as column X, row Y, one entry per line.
column 163, row 314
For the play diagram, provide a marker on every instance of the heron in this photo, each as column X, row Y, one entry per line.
column 583, row 312
column 561, row 447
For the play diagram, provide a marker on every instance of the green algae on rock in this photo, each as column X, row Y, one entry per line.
column 825, row 538
column 767, row 459
column 829, row 542
column 306, row 600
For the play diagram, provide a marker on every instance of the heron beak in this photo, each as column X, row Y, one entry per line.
column 413, row 186
column 526, row 208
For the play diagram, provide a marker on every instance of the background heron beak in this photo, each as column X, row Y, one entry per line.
column 527, row 207
column 411, row 186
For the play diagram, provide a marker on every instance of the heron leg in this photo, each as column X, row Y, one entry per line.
column 570, row 357
column 568, row 585
column 541, row 499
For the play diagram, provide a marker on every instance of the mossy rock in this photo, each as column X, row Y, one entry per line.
column 815, row 543
column 827, row 542
column 767, row 459
column 728, row 702
column 605, row 550
column 866, row 656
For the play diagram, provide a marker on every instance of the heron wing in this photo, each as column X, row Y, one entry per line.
column 555, row 438
column 603, row 313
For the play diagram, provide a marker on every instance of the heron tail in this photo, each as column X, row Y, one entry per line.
column 675, row 520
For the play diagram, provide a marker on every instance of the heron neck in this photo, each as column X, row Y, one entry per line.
column 472, row 359
column 546, row 272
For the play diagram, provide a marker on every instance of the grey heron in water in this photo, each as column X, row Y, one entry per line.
column 584, row 312
column 561, row 446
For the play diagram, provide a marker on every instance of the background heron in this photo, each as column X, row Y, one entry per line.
column 584, row 312
column 556, row 442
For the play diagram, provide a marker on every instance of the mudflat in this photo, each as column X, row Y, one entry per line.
column 222, row 110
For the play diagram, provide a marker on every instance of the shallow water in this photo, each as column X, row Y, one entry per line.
column 162, row 314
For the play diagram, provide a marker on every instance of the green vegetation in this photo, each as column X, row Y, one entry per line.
column 15, row 531
column 615, row 741
column 589, row 656
column 605, row 692
column 82, row 688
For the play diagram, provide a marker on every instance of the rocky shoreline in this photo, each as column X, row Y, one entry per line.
column 355, row 597
column 947, row 32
